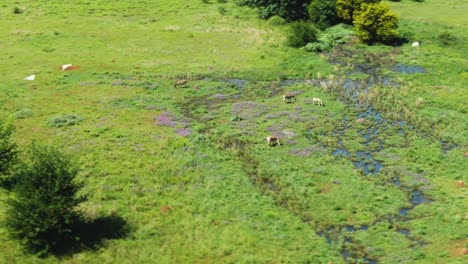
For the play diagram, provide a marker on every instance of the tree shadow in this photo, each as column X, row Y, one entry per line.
column 92, row 234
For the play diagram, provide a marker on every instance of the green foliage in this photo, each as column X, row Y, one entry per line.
column 331, row 37
column 276, row 21
column 8, row 152
column 17, row 10
column 42, row 212
column 23, row 113
column 375, row 22
column 221, row 10
column 64, row 120
column 290, row 10
column 323, row 13
column 300, row 34
column 345, row 9
column 446, row 39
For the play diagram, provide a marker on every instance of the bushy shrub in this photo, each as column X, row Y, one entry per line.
column 345, row 9
column 376, row 23
column 64, row 120
column 323, row 13
column 300, row 34
column 329, row 38
column 314, row 47
column 276, row 21
column 43, row 211
column 221, row 10
column 8, row 152
column 290, row 10
column 17, row 10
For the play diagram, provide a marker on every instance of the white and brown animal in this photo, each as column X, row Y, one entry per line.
column 287, row 98
column 273, row 140
column 318, row 101
column 182, row 83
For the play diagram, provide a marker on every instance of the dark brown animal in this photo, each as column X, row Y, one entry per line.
column 273, row 140
column 288, row 97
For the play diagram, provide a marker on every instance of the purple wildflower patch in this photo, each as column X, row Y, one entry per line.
column 249, row 109
column 170, row 120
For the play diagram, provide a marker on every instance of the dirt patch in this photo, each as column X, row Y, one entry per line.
column 458, row 249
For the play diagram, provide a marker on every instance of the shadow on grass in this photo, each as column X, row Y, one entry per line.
column 91, row 234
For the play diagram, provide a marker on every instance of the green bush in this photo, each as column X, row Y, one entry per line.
column 221, row 10
column 64, row 120
column 323, row 13
column 42, row 213
column 329, row 38
column 290, row 10
column 376, row 23
column 300, row 34
column 276, row 21
column 17, row 10
column 345, row 9
column 8, row 152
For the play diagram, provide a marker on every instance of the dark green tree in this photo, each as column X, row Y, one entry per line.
column 323, row 13
column 43, row 211
column 376, row 23
column 345, row 9
column 8, row 152
column 301, row 33
column 290, row 10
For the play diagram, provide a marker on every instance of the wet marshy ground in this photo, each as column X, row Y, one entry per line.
column 364, row 157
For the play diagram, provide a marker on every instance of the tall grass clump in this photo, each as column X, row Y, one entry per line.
column 64, row 120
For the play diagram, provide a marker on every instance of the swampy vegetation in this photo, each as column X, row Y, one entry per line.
column 376, row 175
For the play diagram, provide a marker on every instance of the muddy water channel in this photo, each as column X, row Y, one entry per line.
column 364, row 159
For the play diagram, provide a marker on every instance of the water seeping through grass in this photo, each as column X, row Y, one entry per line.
column 364, row 160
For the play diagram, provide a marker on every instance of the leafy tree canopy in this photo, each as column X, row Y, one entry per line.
column 290, row 10
column 376, row 23
column 323, row 13
column 345, row 9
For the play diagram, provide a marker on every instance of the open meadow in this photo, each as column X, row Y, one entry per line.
column 373, row 176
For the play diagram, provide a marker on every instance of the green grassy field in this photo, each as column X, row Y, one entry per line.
column 189, row 169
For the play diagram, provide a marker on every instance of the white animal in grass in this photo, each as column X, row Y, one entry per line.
column 415, row 44
column 317, row 100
